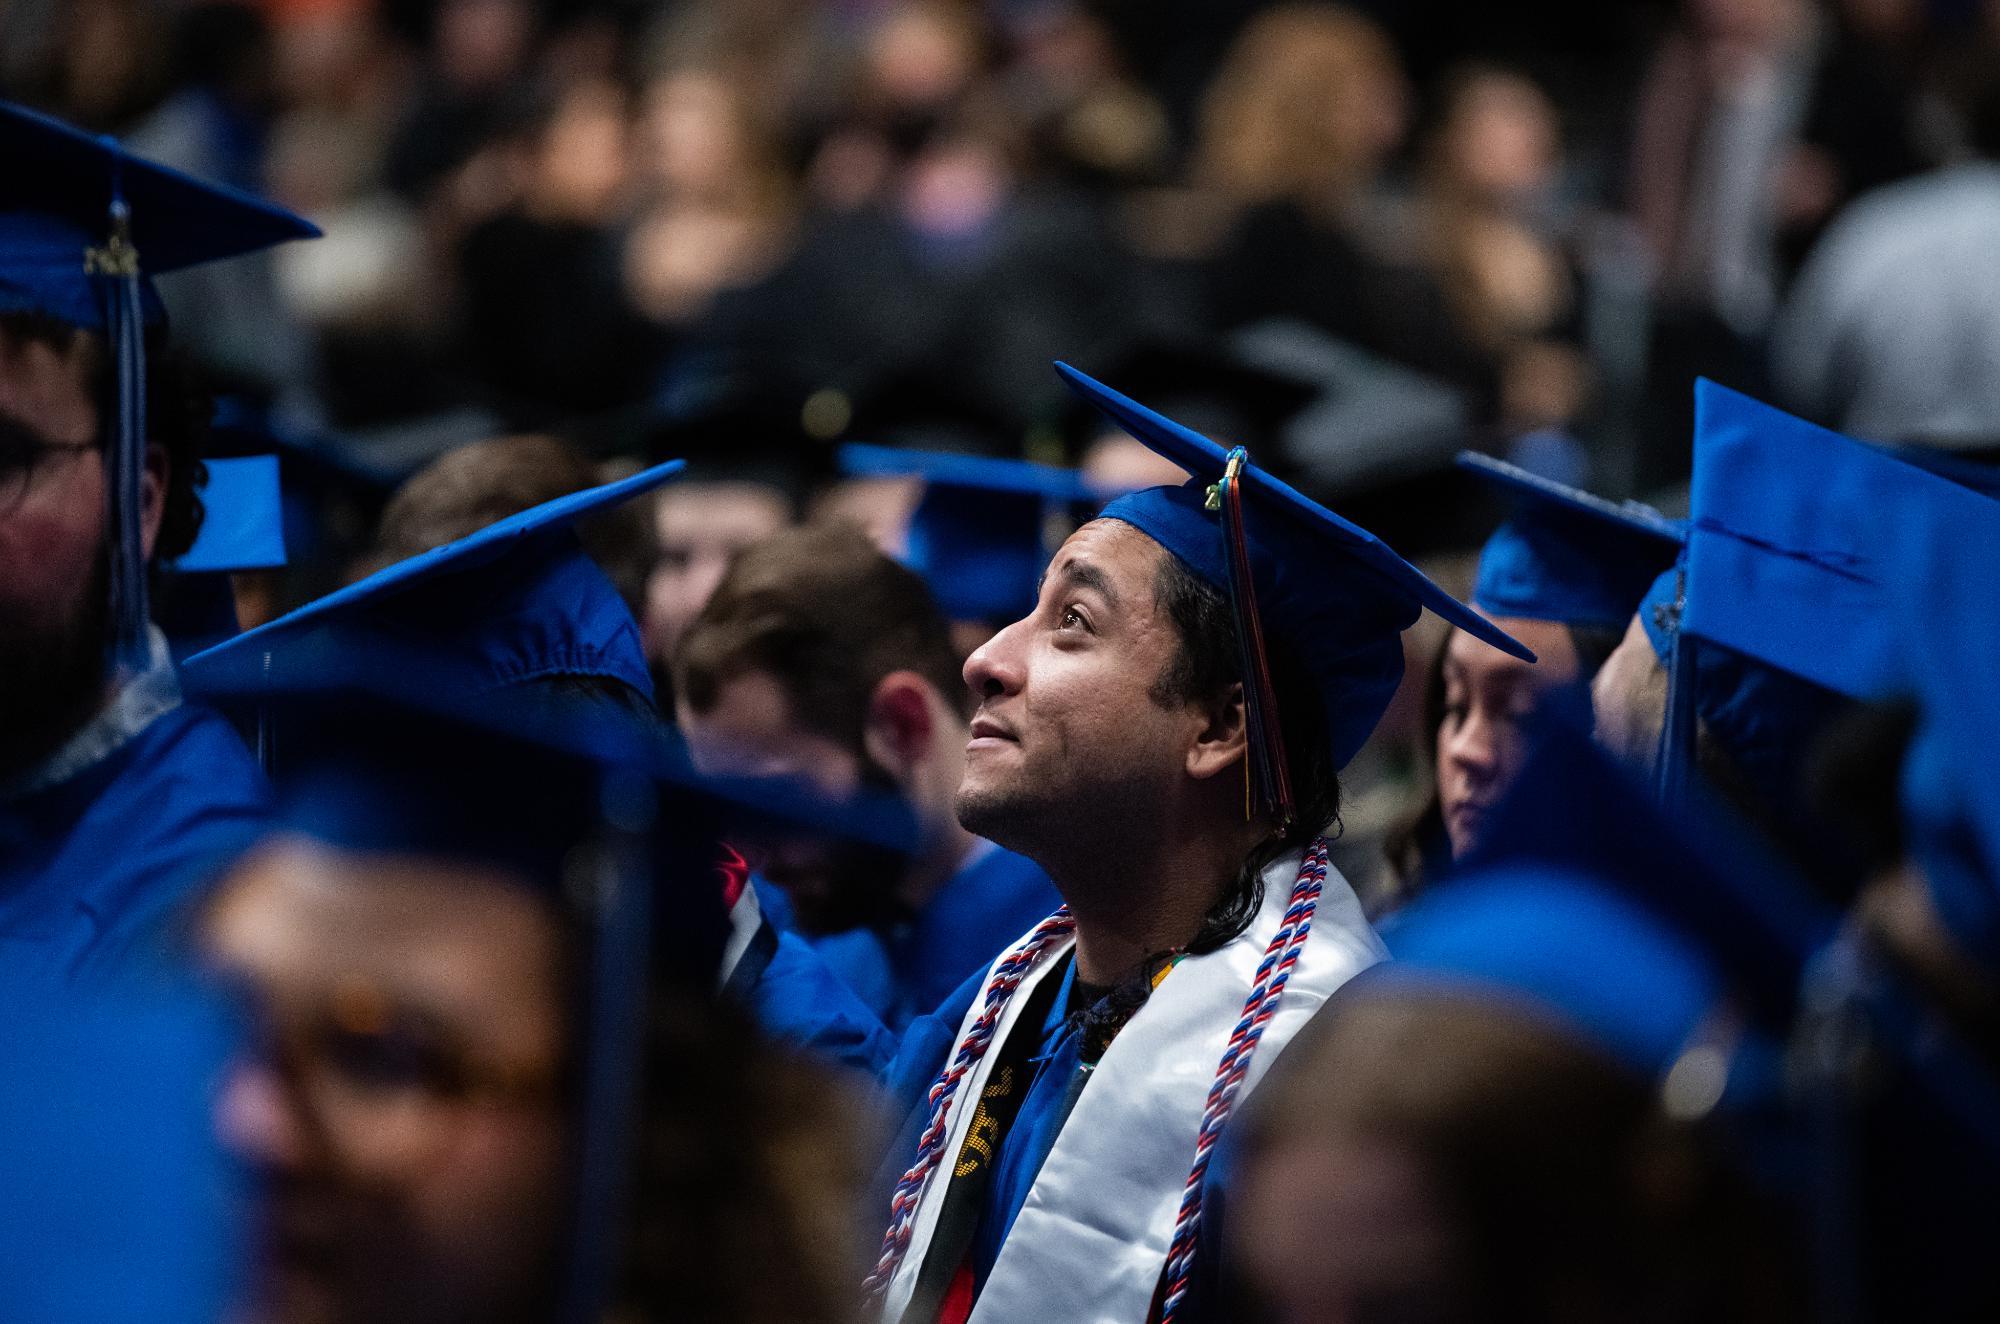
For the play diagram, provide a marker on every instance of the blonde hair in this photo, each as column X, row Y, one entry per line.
column 1307, row 105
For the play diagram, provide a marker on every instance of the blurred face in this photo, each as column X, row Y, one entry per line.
column 481, row 43
column 696, row 133
column 701, row 527
column 405, row 1115
column 1501, row 144
column 1069, row 732
column 919, row 57
column 1489, row 698
column 879, row 507
column 1117, row 462
column 1397, row 1256
column 53, row 597
column 1629, row 700
column 750, row 731
column 581, row 167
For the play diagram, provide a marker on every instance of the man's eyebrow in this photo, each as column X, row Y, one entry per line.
column 1085, row 575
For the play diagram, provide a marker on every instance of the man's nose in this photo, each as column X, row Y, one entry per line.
column 995, row 667
column 1474, row 746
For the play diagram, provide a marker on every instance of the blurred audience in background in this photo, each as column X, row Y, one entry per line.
column 748, row 231
column 569, row 215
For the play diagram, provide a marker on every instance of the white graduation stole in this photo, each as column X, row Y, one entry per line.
column 1092, row 1238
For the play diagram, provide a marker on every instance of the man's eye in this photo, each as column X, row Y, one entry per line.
column 17, row 456
column 392, row 1060
column 1071, row 619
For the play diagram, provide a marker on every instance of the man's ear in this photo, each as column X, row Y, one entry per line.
column 901, row 722
column 1224, row 740
column 152, row 497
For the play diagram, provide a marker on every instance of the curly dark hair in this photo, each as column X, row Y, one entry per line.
column 1205, row 668
column 178, row 410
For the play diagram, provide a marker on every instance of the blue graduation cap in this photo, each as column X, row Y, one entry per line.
column 517, row 601
column 242, row 528
column 242, row 521
column 1794, row 554
column 1650, row 934
column 985, row 528
column 1951, row 780
column 1982, row 476
column 1664, row 942
column 1334, row 593
column 1569, row 947
column 1793, row 562
column 84, row 226
column 1762, row 715
column 1565, row 555
column 1577, row 811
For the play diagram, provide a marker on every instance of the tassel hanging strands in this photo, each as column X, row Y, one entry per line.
column 1270, row 770
column 115, row 269
column 1000, row 986
column 1273, row 972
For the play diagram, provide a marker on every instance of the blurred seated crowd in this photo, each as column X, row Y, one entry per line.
column 588, row 731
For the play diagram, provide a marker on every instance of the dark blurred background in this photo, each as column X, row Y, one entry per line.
column 1356, row 237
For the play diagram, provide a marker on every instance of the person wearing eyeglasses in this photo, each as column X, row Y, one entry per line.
column 117, row 799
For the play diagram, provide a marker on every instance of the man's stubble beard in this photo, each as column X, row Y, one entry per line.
column 1059, row 829
column 52, row 682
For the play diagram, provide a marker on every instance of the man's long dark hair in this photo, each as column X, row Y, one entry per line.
column 1207, row 666
column 1204, row 671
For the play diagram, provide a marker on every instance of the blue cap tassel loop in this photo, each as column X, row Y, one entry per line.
column 115, row 270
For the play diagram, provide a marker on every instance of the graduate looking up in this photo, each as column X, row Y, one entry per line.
column 1163, row 733
column 819, row 657
column 116, row 799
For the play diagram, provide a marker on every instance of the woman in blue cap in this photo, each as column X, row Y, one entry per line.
column 1562, row 574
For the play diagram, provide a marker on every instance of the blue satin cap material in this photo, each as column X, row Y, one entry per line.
column 1565, row 555
column 980, row 535
column 1332, row 592
column 517, row 601
column 55, row 196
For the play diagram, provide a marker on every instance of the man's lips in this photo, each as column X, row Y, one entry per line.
column 1468, row 813
column 985, row 728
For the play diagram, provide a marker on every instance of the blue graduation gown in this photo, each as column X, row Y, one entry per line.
column 795, row 997
column 903, row 971
column 92, row 867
